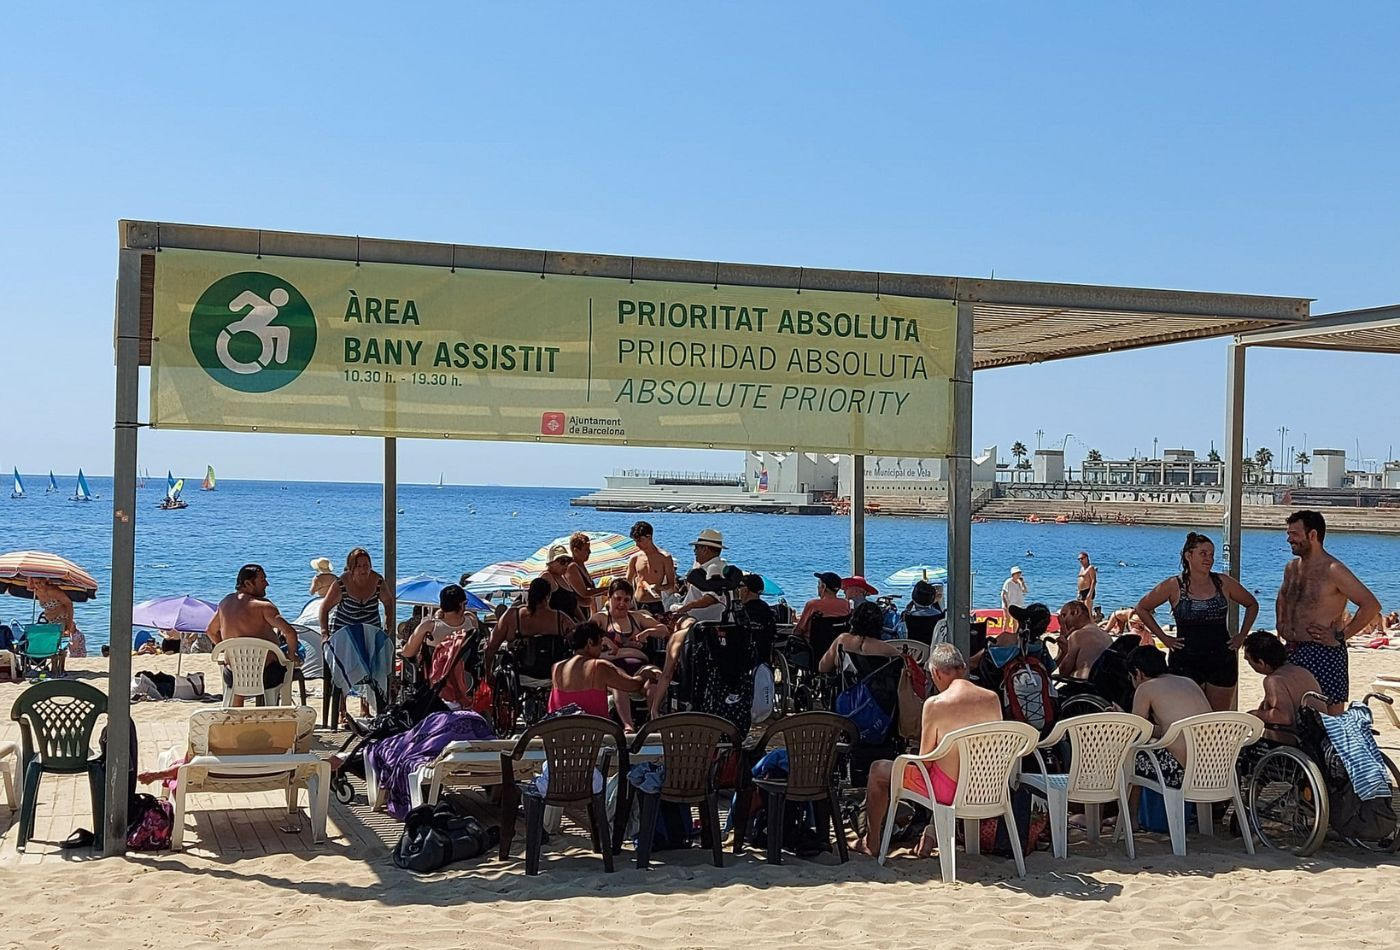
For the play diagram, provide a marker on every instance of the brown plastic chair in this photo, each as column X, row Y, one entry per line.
column 690, row 754
column 572, row 745
column 812, row 740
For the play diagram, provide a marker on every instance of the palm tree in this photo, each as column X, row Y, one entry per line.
column 1018, row 452
column 1264, row 458
column 1095, row 455
column 1303, row 460
column 1212, row 456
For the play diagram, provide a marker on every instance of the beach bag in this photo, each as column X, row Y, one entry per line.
column 435, row 836
column 1034, row 827
column 913, row 690
column 189, row 686
column 149, row 824
column 859, row 705
column 1026, row 695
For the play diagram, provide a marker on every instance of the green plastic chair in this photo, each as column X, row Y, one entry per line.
column 41, row 643
column 57, row 719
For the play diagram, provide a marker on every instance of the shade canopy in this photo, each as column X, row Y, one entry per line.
column 1375, row 330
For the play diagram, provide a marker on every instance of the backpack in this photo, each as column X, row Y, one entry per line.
column 434, row 836
column 149, row 824
column 1025, row 692
column 765, row 697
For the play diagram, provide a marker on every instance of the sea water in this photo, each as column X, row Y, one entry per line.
column 445, row 532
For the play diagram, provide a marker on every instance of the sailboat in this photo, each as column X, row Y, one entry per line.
column 209, row 484
column 172, row 500
column 141, row 482
column 439, row 480
column 18, row 491
column 53, row 484
column 82, row 493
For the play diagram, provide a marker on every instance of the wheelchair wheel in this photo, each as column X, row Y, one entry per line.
column 1083, row 704
column 782, row 686
column 1287, row 802
column 505, row 703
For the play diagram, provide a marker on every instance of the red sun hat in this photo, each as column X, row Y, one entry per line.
column 860, row 582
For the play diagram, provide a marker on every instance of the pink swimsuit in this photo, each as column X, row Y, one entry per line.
column 944, row 788
column 592, row 701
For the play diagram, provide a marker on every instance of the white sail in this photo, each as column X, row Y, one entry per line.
column 18, row 491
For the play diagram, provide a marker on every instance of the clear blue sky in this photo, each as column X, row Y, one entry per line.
column 1248, row 148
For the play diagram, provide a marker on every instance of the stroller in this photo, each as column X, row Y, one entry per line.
column 415, row 703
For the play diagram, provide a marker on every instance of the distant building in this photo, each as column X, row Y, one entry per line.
column 887, row 475
column 1176, row 467
column 790, row 472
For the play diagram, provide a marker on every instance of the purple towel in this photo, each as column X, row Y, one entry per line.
column 396, row 758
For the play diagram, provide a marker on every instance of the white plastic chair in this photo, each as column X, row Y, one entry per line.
column 9, row 772
column 245, row 658
column 288, row 768
column 1213, row 744
column 987, row 753
column 1101, row 749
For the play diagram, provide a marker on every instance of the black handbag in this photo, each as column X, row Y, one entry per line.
column 435, row 836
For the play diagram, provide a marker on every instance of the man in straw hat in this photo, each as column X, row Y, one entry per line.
column 697, row 605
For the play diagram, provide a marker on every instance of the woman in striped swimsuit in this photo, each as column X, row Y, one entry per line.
column 355, row 598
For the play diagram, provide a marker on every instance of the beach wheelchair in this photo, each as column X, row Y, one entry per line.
column 1295, row 795
column 797, row 684
column 521, row 682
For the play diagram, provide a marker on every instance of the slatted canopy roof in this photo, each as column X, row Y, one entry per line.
column 1376, row 330
column 1015, row 322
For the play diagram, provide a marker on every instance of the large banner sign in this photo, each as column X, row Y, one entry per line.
column 306, row 345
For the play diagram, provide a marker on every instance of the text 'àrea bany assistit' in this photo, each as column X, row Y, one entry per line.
column 496, row 356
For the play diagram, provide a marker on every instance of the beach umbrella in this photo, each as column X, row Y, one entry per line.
column 18, row 566
column 771, row 588
column 423, row 589
column 909, row 576
column 503, row 575
column 608, row 556
column 179, row 612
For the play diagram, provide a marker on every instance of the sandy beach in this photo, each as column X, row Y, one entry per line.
column 241, row 878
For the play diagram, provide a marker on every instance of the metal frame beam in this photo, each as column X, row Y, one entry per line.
column 1314, row 333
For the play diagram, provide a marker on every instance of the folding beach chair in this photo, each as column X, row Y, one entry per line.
column 39, row 646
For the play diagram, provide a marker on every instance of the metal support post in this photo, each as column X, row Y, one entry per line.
column 391, row 525
column 858, row 514
column 960, row 488
column 127, row 344
column 1234, row 468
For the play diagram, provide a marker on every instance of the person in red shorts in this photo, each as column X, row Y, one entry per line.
column 956, row 703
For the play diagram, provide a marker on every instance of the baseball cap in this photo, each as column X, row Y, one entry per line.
column 558, row 551
column 1035, row 617
column 830, row 579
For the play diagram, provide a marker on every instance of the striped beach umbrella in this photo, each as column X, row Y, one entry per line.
column 424, row 589
column 608, row 555
column 17, row 567
column 503, row 575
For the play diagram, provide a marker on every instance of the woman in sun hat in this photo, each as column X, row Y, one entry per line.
column 857, row 590
column 324, row 578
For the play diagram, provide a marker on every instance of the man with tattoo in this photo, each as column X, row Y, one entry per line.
column 1312, row 604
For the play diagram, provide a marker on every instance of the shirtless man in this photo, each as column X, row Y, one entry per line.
column 1081, row 642
column 1285, row 684
column 248, row 613
column 1163, row 698
column 651, row 571
column 1088, row 581
column 1312, row 604
column 956, row 703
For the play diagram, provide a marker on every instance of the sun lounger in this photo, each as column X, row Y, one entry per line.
column 254, row 749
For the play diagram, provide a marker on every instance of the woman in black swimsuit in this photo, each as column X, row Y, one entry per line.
column 534, row 618
column 1201, row 600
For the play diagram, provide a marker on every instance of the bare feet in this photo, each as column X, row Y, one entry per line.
column 926, row 847
column 861, row 846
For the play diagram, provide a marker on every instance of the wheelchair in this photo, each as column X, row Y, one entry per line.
column 1286, row 793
